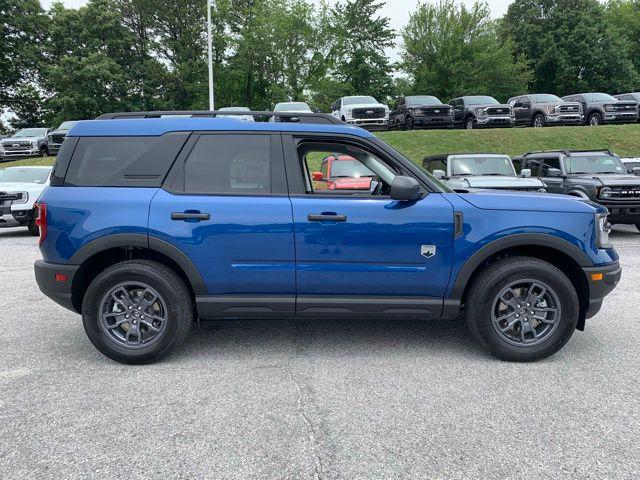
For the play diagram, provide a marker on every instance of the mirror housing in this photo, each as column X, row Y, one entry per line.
column 636, row 170
column 405, row 189
column 525, row 173
column 439, row 174
column 317, row 176
column 554, row 172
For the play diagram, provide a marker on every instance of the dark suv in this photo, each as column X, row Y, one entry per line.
column 542, row 109
column 479, row 111
column 599, row 176
column 57, row 136
column 420, row 111
column 150, row 224
column 600, row 108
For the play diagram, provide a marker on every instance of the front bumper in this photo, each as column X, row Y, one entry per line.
column 16, row 218
column 598, row 289
column 626, row 117
column 23, row 152
column 58, row 290
column 564, row 119
column 54, row 148
column 621, row 212
column 497, row 121
column 445, row 121
column 369, row 122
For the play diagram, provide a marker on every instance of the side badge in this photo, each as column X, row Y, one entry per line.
column 427, row 251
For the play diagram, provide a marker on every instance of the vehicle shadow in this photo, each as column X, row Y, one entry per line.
column 15, row 232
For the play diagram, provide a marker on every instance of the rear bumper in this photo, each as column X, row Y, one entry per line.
column 598, row 289
column 57, row 290
column 16, row 218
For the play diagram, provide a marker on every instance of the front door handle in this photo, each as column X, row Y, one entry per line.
column 190, row 216
column 327, row 217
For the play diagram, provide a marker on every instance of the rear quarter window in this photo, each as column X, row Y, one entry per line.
column 123, row 161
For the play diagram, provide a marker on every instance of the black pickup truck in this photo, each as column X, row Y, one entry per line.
column 481, row 111
column 420, row 111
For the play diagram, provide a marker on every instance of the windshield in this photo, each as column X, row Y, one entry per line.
column 292, row 107
column 235, row 109
column 66, row 125
column 482, row 100
column 483, row 165
column 544, row 97
column 594, row 164
column 31, row 132
column 349, row 169
column 358, row 100
column 423, row 100
column 24, row 175
column 600, row 97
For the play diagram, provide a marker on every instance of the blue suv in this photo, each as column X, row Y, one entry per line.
column 152, row 223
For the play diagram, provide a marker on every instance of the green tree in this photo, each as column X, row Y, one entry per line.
column 624, row 17
column 450, row 50
column 27, row 105
column 570, row 46
column 360, row 37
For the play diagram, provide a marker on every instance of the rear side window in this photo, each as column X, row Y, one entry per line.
column 222, row 164
column 123, row 161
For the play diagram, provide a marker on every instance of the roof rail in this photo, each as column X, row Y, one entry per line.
column 568, row 152
column 293, row 117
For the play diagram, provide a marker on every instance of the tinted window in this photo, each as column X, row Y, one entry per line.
column 229, row 164
column 434, row 165
column 533, row 165
column 550, row 163
column 123, row 161
column 593, row 164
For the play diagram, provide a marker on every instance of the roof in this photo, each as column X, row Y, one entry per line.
column 159, row 126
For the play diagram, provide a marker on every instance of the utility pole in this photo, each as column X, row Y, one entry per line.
column 210, row 54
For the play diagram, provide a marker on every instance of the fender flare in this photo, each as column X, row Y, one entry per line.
column 147, row 242
column 510, row 241
column 578, row 193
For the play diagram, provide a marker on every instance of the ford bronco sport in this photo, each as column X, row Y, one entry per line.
column 152, row 223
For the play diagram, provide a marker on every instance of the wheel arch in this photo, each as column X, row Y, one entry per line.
column 103, row 252
column 561, row 253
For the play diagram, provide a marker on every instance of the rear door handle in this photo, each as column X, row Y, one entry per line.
column 190, row 216
column 326, row 217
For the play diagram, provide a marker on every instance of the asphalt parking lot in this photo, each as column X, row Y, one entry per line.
column 314, row 400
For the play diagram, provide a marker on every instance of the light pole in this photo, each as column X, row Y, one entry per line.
column 210, row 53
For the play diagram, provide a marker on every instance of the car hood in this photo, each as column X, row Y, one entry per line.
column 496, row 182
column 19, row 139
column 366, row 105
column 612, row 180
column 532, row 202
column 21, row 187
column 493, row 105
column 441, row 105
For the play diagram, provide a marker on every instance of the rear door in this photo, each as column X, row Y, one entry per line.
column 360, row 252
column 225, row 205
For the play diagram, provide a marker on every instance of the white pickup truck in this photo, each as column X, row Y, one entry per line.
column 364, row 112
column 20, row 188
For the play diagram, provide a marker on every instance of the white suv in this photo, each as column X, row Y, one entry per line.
column 20, row 188
column 362, row 111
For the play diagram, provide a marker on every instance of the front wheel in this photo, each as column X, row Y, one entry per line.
column 638, row 226
column 137, row 311
column 595, row 119
column 469, row 124
column 33, row 228
column 44, row 153
column 522, row 309
column 409, row 123
column 538, row 121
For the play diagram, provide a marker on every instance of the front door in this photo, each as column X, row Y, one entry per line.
column 226, row 207
column 359, row 251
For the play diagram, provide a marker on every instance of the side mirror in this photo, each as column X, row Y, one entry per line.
column 439, row 174
column 526, row 173
column 317, row 176
column 405, row 189
column 554, row 172
column 636, row 170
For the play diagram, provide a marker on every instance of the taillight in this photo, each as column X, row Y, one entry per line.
column 41, row 221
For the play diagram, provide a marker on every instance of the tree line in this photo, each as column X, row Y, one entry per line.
column 113, row 55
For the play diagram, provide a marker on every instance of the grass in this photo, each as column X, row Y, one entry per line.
column 622, row 139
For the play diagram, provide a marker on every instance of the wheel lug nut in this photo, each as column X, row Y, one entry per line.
column 130, row 307
column 127, row 316
column 139, row 308
column 141, row 317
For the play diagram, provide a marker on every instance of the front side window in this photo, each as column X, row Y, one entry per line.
column 594, row 164
column 497, row 165
column 548, row 164
column 223, row 164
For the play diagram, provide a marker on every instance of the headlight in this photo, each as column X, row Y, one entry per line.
column 349, row 113
column 24, row 198
column 551, row 109
column 608, row 108
column 605, row 192
column 603, row 229
column 480, row 111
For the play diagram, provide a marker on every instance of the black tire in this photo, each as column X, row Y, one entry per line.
column 484, row 294
column 638, row 226
column 408, row 124
column 174, row 293
column 44, row 153
column 538, row 121
column 595, row 119
column 33, row 228
column 469, row 123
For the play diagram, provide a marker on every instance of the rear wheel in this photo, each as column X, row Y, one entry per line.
column 33, row 228
column 137, row 311
column 522, row 309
